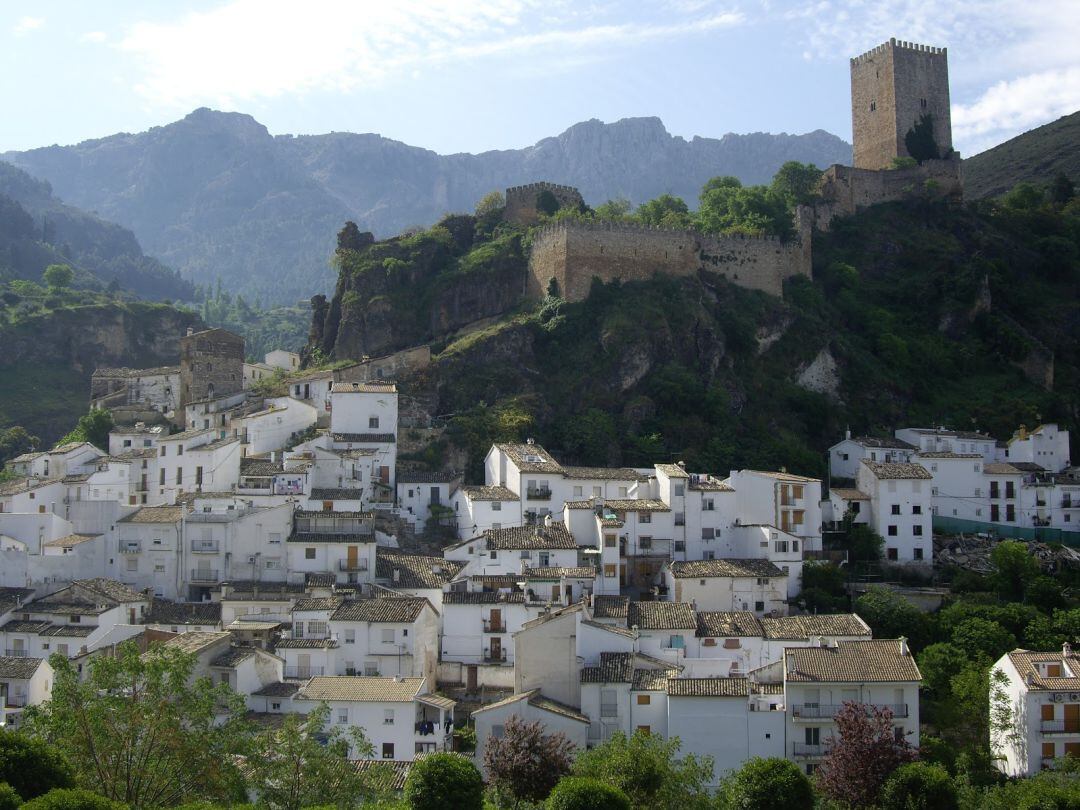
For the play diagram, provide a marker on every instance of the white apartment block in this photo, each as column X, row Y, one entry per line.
column 846, row 455
column 938, row 440
column 900, row 508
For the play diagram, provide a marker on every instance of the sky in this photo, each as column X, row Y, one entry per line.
column 474, row 75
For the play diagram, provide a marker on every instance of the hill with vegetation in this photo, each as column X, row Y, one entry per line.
column 217, row 196
column 38, row 229
column 1037, row 156
column 919, row 312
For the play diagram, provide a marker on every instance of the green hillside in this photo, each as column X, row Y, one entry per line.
column 1037, row 156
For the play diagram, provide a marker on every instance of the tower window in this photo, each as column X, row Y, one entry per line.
column 923, row 102
column 873, row 106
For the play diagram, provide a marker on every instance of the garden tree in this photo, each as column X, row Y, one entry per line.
column 1045, row 593
column 92, row 427
column 919, row 140
column 753, row 210
column 823, row 589
column 58, row 276
column 938, row 663
column 649, row 771
column 491, row 204
column 71, row 799
column 616, row 210
column 31, row 766
column 579, row 793
column 9, row 799
column 299, row 764
column 140, row 730
column 864, row 754
column 1014, row 568
column 444, row 780
column 665, row 211
column 891, row 615
column 762, row 784
column 862, row 542
column 796, row 183
column 980, row 637
column 919, row 786
column 525, row 763
column 1055, row 789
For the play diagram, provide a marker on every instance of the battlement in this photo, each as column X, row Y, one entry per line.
column 541, row 185
column 635, row 228
column 892, row 43
column 521, row 201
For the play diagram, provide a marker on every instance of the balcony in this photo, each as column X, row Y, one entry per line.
column 303, row 673
column 494, row 627
column 494, row 656
column 812, row 750
column 352, row 565
column 204, row 575
column 1059, row 727
column 1066, row 503
column 130, row 548
column 1040, row 521
column 538, row 494
column 205, row 548
column 20, row 653
column 13, row 701
column 827, row 711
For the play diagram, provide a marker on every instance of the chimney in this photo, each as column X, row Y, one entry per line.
column 790, row 664
column 847, row 433
column 904, row 646
column 190, row 331
column 1066, row 649
column 397, row 575
column 822, row 641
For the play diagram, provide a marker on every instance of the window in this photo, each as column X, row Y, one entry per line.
column 680, row 519
column 644, row 700
column 610, row 570
column 388, row 635
column 496, row 506
column 159, row 568
column 708, row 534
column 161, row 476
column 918, row 553
column 759, row 607
column 916, row 531
column 373, row 422
column 679, row 488
column 680, row 545
column 609, row 705
column 622, row 492
column 645, row 543
column 309, row 554
column 891, row 554
column 578, row 492
column 892, row 531
column 179, row 475
column 179, row 449
column 646, row 730
column 497, row 731
column 132, row 563
column 873, row 106
column 388, row 717
column 350, row 636
column 371, row 668
column 609, row 541
column 597, row 492
column 387, row 750
column 644, row 517
column 274, row 538
column 317, row 629
column 916, row 509
column 708, row 505
column 493, row 554
column 343, row 716
column 896, row 509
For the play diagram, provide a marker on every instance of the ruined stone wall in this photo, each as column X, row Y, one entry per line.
column 892, row 86
column 388, row 367
column 521, row 201
column 573, row 254
column 845, row 190
column 211, row 365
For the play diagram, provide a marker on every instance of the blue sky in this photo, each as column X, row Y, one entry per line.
column 471, row 75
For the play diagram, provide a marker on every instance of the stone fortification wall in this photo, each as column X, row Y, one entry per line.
column 892, row 86
column 521, row 201
column 845, row 189
column 574, row 253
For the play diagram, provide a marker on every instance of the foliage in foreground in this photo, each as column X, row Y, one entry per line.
column 444, row 780
column 525, row 763
column 762, row 784
column 579, row 793
column 30, row 766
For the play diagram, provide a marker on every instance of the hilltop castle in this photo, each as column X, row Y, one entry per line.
column 899, row 103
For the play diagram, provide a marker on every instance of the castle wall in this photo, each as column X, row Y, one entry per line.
column 892, row 86
column 521, row 201
column 845, row 189
column 573, row 254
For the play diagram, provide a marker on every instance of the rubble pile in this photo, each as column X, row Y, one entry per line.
column 972, row 552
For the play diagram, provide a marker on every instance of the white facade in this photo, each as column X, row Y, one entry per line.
column 23, row 682
column 529, row 707
column 791, row 503
column 846, row 455
column 901, row 508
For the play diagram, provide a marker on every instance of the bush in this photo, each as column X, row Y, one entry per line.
column 65, row 799
column 919, row 786
column 580, row 793
column 9, row 799
column 761, row 784
column 30, row 766
column 444, row 780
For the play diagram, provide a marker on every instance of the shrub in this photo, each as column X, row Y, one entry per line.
column 919, row 786
column 9, row 799
column 65, row 799
column 761, row 784
column 580, row 793
column 444, row 780
column 30, row 766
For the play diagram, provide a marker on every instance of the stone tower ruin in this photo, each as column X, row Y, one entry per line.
column 893, row 87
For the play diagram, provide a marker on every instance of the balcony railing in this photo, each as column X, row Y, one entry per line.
column 494, row 627
column 494, row 657
column 818, row 711
column 13, row 701
column 204, row 575
column 1041, row 521
column 1059, row 727
column 352, row 565
column 205, row 548
column 130, row 548
column 1066, row 503
column 538, row 494
column 303, row 672
column 812, row 749
column 20, row 653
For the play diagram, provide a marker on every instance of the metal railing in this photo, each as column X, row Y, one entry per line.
column 538, row 494
column 20, row 653
column 1059, row 726
column 818, row 711
column 494, row 627
column 204, row 575
column 354, row 565
column 303, row 672
column 130, row 548
column 205, row 548
column 812, row 749
column 13, row 701
column 497, row 657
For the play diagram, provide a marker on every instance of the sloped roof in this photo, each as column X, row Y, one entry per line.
column 233, row 656
column 154, row 514
column 318, row 603
column 19, row 667
column 897, row 470
column 482, row 597
column 197, row 640
column 610, row 607
column 555, row 572
column 708, row 687
column 661, row 616
column 636, row 505
column 810, row 626
column 864, row 661
column 523, row 454
column 1025, row 662
column 652, row 680
column 427, row 476
column 614, row 667
column 728, row 624
column 886, row 442
column 849, row 494
column 484, row 493
column 361, row 688
column 602, row 473
column 414, row 570
column 672, row 470
column 693, row 569
column 385, row 609
column 511, row 538
column 336, row 494
column 71, row 540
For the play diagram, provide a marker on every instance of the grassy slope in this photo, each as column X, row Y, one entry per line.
column 1036, row 156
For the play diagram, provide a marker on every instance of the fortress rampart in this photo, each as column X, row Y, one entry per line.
column 574, row 253
column 521, row 200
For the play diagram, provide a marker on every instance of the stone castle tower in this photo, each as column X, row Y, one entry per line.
column 892, row 87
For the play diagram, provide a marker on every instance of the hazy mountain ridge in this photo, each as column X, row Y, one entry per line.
column 217, row 196
column 1036, row 156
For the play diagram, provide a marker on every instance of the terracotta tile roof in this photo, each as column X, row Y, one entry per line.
column 360, row 688
column 652, row 680
column 260, row 467
column 330, row 537
column 865, row 661
column 672, row 470
column 233, row 656
column 512, row 538
column 602, row 473
column 414, row 570
column 588, row 504
column 481, row 597
column 277, row 689
column 71, row 540
column 810, row 626
column 387, row 775
column 897, row 470
column 849, row 494
column 24, row 626
column 110, row 589
column 887, row 442
column 13, row 597
column 385, row 387
column 364, row 438
column 530, row 458
column 661, row 616
column 197, row 641
column 67, row 630
column 693, row 569
column 610, row 607
column 427, row 476
column 534, row 698
column 958, row 434
column 785, row 476
column 307, row 644
column 636, row 505
column 708, row 687
column 336, row 494
column 1012, row 468
column 319, row 579
column 614, row 667
column 728, row 624
column 576, row 572
column 703, row 483
column 154, row 514
column 475, row 493
column 19, row 667
column 949, row 455
column 1026, row 662
column 318, row 603
column 387, row 609
column 610, row 628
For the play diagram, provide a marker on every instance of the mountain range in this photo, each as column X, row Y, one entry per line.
column 216, row 196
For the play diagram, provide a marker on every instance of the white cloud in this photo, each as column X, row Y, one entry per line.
column 1011, row 107
column 246, row 50
column 93, row 36
column 27, row 24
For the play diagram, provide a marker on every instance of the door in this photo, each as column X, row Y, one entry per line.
column 496, row 649
column 352, row 557
column 495, row 623
column 435, row 496
column 303, row 666
column 1072, row 717
column 328, row 506
column 384, row 475
column 470, row 678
